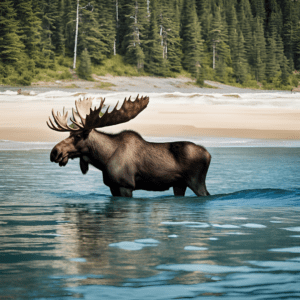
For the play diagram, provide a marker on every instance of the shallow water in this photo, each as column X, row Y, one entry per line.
column 64, row 237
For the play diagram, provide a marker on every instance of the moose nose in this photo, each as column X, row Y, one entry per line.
column 54, row 154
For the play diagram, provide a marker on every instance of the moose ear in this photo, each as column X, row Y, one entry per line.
column 84, row 166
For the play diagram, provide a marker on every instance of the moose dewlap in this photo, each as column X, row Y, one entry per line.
column 127, row 161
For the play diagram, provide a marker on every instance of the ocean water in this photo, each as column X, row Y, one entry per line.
column 64, row 237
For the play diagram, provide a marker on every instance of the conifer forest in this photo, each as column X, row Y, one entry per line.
column 232, row 41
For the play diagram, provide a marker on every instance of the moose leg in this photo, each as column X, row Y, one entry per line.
column 179, row 189
column 196, row 182
column 125, row 192
column 199, row 188
column 121, row 192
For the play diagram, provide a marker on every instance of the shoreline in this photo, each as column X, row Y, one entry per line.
column 25, row 121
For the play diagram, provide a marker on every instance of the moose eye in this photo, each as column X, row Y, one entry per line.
column 77, row 137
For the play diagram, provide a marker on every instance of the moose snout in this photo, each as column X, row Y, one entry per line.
column 55, row 155
column 59, row 155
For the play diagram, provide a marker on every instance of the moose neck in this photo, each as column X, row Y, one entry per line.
column 101, row 148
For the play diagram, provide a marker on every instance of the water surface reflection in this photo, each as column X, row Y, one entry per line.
column 63, row 237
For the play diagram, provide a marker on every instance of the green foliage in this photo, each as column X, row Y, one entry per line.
column 249, row 41
column 116, row 66
column 191, row 37
column 84, row 70
column 155, row 63
column 11, row 46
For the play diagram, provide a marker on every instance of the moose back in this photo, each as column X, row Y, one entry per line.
column 127, row 161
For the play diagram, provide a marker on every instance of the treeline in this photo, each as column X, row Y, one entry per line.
column 239, row 41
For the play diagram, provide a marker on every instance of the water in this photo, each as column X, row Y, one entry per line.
column 64, row 237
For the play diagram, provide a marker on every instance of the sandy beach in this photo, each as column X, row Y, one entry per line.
column 26, row 120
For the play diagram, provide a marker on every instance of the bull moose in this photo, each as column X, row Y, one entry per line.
column 127, row 161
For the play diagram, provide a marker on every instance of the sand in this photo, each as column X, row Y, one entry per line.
column 27, row 121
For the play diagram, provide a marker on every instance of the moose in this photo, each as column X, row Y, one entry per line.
column 127, row 161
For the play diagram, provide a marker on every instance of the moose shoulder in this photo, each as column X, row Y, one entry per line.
column 127, row 161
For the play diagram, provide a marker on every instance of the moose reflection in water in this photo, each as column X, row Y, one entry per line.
column 127, row 161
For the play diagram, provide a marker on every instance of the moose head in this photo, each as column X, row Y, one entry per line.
column 84, row 121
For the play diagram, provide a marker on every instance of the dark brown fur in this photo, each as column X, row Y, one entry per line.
column 129, row 163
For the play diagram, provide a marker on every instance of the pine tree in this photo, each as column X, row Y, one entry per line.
column 192, row 46
column 69, row 18
column 84, row 70
column 245, row 19
column 90, row 36
column 289, row 30
column 11, row 47
column 219, row 39
column 258, row 8
column 274, row 18
column 258, row 60
column 29, row 24
column 106, row 17
column 48, row 15
column 272, row 66
column 174, row 53
column 169, row 34
column 232, row 27
column 131, row 44
column 297, row 47
column 239, row 61
column 154, row 51
column 58, row 34
column 284, row 72
column 205, row 17
column 297, row 36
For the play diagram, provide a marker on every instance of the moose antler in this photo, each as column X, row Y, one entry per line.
column 86, row 118
column 61, row 122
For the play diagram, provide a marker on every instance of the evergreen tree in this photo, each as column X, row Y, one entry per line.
column 58, row 34
column 154, row 59
column 258, row 59
column 174, row 53
column 239, row 61
column 219, row 39
column 245, row 22
column 272, row 66
column 192, row 46
column 11, row 47
column 69, row 18
column 284, row 71
column 29, row 24
column 169, row 33
column 232, row 27
column 258, row 8
column 297, row 47
column 90, row 36
column 48, row 15
column 84, row 70
column 132, row 47
column 106, row 17
column 274, row 18
column 205, row 14
column 289, row 29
